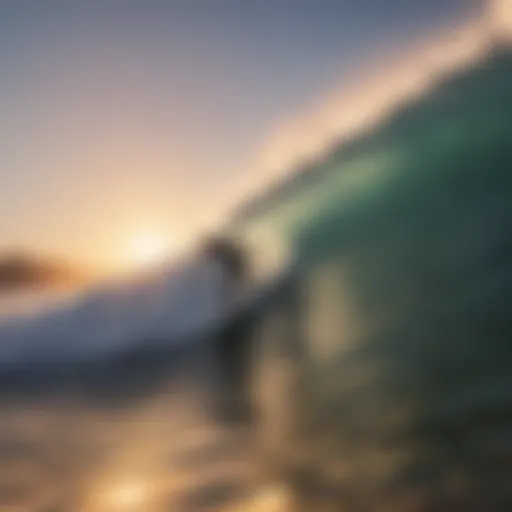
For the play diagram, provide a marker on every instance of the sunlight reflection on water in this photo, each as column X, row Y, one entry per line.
column 128, row 496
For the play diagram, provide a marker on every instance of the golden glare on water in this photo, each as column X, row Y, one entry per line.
column 130, row 496
column 123, row 496
column 273, row 499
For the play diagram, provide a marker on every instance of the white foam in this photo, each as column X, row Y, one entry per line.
column 166, row 307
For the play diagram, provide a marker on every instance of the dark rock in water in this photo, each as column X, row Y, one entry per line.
column 387, row 381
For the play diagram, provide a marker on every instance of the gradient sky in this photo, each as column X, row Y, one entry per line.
column 122, row 116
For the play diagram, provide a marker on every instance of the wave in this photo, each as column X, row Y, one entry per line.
column 170, row 306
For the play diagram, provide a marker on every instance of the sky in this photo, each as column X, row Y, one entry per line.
column 127, row 120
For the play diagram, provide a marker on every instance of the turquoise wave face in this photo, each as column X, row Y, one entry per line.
column 417, row 151
column 402, row 240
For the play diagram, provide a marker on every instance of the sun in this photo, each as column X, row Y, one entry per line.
column 148, row 249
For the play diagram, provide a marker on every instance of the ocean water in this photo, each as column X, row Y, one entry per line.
column 128, row 435
column 108, row 399
column 395, row 387
column 399, row 387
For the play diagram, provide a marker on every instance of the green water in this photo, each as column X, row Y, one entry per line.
column 455, row 133
column 402, row 238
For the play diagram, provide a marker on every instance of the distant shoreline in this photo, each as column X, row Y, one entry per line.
column 25, row 273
